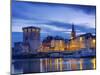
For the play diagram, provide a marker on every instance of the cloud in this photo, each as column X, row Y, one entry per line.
column 53, row 18
column 43, row 13
column 80, row 33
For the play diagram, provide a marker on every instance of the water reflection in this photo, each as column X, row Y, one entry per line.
column 51, row 64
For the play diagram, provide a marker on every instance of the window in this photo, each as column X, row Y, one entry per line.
column 33, row 30
column 93, row 41
column 81, row 38
column 29, row 30
column 25, row 30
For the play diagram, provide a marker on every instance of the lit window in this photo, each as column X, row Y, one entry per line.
column 81, row 38
column 33, row 30
column 93, row 40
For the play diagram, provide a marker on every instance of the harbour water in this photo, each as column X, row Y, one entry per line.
column 52, row 65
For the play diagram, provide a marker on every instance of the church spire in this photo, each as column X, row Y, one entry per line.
column 73, row 33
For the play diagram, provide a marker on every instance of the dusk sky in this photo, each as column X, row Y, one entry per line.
column 53, row 19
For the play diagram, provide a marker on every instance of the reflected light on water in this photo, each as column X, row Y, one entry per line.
column 61, row 64
column 56, row 64
column 52, row 64
column 93, row 61
column 81, row 64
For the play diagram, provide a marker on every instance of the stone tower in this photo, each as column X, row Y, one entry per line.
column 31, row 36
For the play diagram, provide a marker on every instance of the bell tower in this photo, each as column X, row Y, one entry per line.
column 73, row 33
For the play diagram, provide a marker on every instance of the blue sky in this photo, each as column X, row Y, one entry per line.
column 53, row 19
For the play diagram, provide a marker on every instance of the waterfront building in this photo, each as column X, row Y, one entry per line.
column 31, row 42
column 58, row 44
column 46, row 44
column 31, row 36
column 52, row 44
column 93, row 42
column 82, row 41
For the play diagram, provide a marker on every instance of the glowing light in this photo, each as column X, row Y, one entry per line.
column 94, row 63
column 81, row 62
column 61, row 64
column 50, row 64
column 81, row 38
column 94, row 41
column 56, row 65
column 73, row 64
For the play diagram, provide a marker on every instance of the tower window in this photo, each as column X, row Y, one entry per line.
column 25, row 30
column 29, row 30
column 33, row 30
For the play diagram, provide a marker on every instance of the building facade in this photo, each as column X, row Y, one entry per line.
column 85, row 41
column 31, row 36
column 52, row 44
column 58, row 44
column 31, row 42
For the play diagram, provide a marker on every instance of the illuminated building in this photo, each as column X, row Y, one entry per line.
column 31, row 42
column 82, row 41
column 51, row 44
column 46, row 44
column 93, row 42
column 58, row 44
column 31, row 36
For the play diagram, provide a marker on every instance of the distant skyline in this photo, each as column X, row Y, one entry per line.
column 53, row 19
